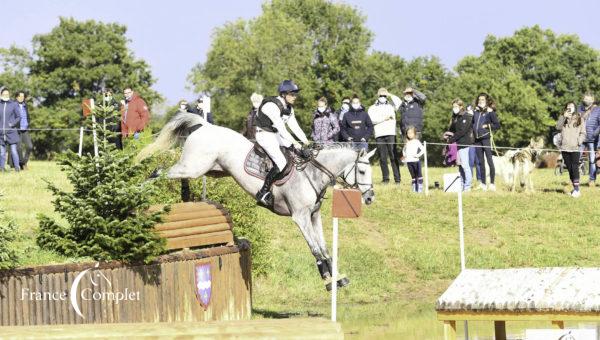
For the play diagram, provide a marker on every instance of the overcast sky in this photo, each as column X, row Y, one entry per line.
column 174, row 35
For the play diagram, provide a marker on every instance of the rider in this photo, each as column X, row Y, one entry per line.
column 271, row 133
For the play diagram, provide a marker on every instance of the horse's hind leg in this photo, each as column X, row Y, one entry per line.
column 317, row 224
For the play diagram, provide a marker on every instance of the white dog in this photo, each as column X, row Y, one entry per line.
column 517, row 165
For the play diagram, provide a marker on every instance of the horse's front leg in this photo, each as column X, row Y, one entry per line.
column 327, row 264
column 303, row 220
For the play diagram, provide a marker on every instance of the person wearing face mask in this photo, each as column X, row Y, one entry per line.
column 10, row 116
column 325, row 125
column 412, row 111
column 345, row 107
column 182, row 106
column 461, row 127
column 274, row 115
column 356, row 127
column 485, row 121
column 198, row 108
column 590, row 113
column 134, row 114
column 383, row 117
column 25, row 145
column 250, row 125
column 573, row 131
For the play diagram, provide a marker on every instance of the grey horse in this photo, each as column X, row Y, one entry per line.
column 216, row 150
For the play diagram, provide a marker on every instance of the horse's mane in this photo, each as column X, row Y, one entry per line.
column 337, row 146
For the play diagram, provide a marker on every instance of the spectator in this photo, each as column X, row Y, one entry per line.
column 10, row 118
column 325, row 123
column 345, row 107
column 357, row 127
column 473, row 160
column 134, row 114
column 182, row 106
column 573, row 131
column 112, row 122
column 590, row 113
column 250, row 126
column 462, row 129
column 25, row 145
column 412, row 111
column 413, row 151
column 199, row 108
column 484, row 122
column 383, row 116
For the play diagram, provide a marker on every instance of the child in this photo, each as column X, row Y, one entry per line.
column 413, row 150
column 572, row 128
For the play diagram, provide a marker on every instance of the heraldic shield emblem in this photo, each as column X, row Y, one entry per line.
column 203, row 283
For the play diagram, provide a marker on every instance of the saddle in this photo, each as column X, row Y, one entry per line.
column 258, row 164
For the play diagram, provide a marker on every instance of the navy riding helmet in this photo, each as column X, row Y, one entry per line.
column 288, row 86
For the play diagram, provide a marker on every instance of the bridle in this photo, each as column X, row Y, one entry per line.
column 302, row 163
column 356, row 184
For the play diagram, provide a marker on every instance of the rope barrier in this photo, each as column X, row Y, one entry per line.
column 493, row 144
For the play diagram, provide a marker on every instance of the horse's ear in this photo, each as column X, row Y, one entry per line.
column 371, row 153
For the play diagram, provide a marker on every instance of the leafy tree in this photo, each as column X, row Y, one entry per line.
column 316, row 43
column 14, row 63
column 560, row 67
column 76, row 60
column 106, row 211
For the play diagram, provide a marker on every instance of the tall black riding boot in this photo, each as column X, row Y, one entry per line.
column 264, row 196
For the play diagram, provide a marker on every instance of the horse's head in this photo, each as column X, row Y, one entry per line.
column 359, row 175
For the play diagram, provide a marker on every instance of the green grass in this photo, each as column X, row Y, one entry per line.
column 400, row 255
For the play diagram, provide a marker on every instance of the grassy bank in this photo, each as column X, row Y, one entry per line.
column 399, row 256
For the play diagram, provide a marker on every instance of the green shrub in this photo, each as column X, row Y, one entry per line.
column 9, row 256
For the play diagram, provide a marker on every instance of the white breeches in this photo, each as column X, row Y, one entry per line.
column 271, row 141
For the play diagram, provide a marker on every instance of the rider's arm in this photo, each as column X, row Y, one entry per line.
column 293, row 124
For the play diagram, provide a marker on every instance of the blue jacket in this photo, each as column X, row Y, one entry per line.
column 24, row 122
column 484, row 118
column 592, row 123
column 356, row 125
column 10, row 117
column 412, row 113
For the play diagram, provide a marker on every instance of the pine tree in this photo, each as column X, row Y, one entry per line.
column 107, row 208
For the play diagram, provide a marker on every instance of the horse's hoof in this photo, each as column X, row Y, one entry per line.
column 342, row 282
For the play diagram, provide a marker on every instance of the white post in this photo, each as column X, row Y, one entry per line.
column 80, row 141
column 461, row 232
column 94, row 128
column 334, row 269
column 426, row 170
column 205, row 111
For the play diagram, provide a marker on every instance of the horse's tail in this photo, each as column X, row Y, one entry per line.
column 171, row 133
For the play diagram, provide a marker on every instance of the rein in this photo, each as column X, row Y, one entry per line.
column 301, row 164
